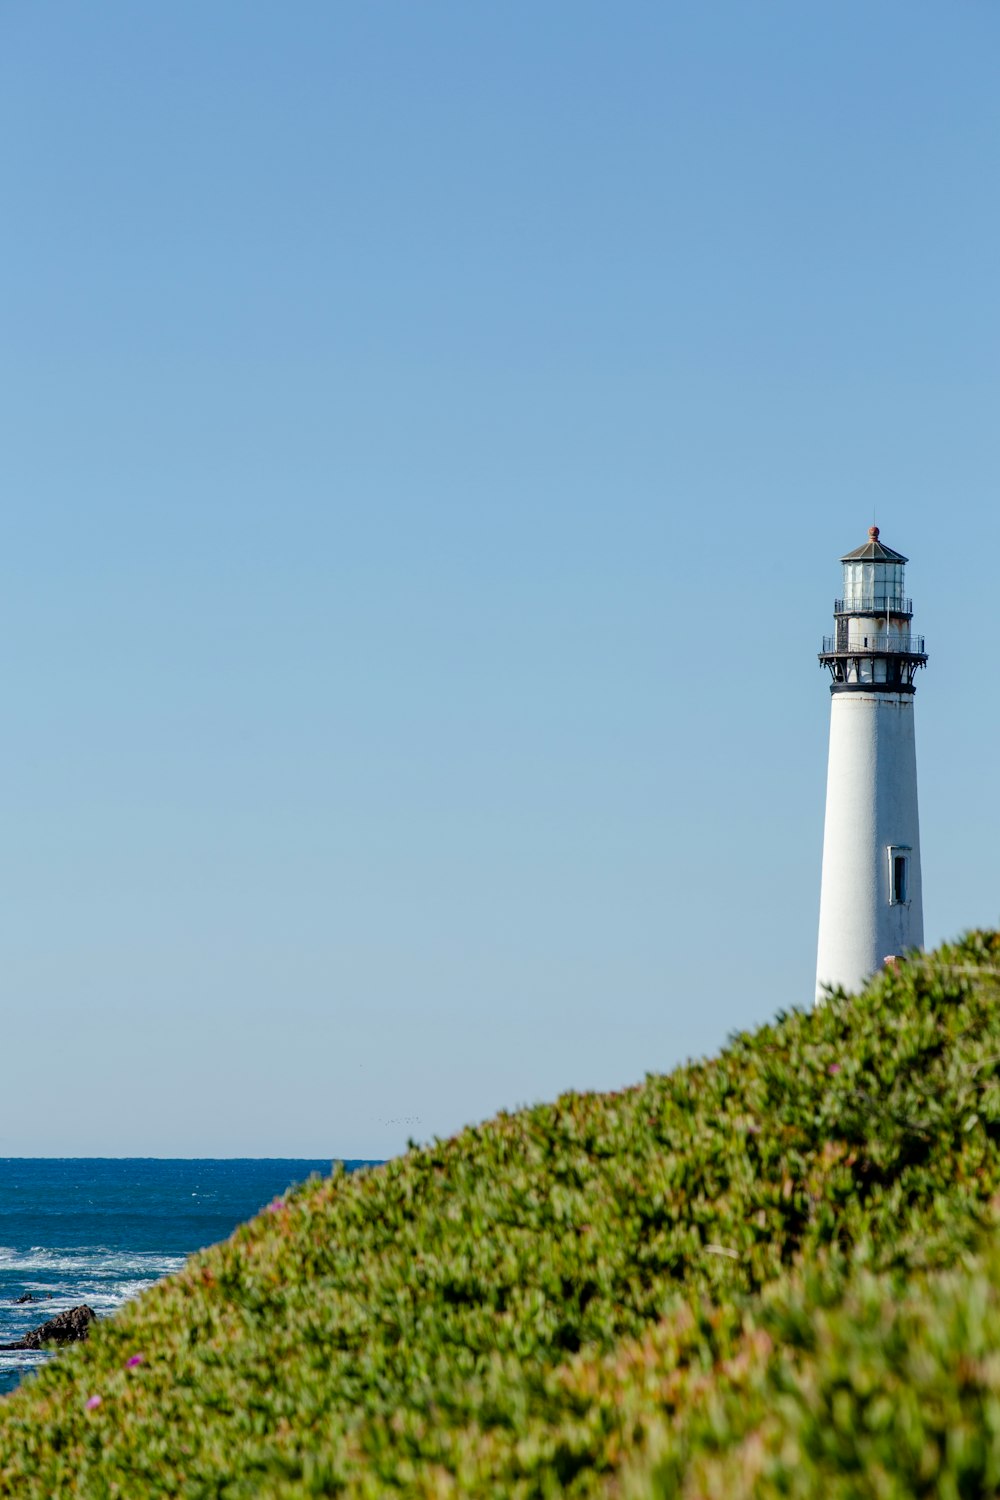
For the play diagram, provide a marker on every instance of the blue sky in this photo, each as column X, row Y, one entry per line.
column 428, row 437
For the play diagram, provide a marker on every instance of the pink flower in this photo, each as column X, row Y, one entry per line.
column 93, row 1402
column 833, row 1068
column 137, row 1359
column 275, row 1206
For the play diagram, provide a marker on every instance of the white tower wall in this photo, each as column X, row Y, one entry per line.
column 871, row 820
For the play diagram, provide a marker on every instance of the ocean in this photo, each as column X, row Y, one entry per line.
column 100, row 1231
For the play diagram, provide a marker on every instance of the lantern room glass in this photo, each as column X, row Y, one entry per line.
column 876, row 586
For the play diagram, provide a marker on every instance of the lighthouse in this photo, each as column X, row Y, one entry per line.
column 870, row 900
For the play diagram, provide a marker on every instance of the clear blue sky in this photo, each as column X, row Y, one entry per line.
column 428, row 436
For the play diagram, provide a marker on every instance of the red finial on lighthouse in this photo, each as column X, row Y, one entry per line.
column 873, row 533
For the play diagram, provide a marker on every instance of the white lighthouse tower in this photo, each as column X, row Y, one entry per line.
column 870, row 904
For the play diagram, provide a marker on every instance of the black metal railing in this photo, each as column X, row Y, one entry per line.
column 873, row 604
column 869, row 645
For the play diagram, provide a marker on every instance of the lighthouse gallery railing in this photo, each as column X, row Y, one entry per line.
column 873, row 604
column 905, row 645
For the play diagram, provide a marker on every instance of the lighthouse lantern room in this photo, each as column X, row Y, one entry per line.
column 870, row 902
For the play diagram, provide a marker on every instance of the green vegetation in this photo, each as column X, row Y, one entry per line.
column 767, row 1274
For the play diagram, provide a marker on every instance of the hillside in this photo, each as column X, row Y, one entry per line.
column 765, row 1274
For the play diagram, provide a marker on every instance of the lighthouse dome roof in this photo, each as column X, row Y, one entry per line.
column 874, row 551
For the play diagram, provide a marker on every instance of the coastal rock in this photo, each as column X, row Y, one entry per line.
column 65, row 1328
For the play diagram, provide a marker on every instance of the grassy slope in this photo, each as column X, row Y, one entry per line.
column 633, row 1290
column 837, row 1387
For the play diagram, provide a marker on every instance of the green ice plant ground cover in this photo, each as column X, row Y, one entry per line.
column 768, row 1274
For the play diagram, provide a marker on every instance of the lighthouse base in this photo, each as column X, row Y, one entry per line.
column 871, row 903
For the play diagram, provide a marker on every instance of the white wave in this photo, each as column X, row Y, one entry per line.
column 23, row 1359
column 99, row 1259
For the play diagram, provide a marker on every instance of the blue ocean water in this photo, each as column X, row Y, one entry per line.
column 100, row 1231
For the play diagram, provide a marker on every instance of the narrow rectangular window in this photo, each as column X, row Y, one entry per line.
column 899, row 879
column 899, row 874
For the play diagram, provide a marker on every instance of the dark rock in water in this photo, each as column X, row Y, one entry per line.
column 27, row 1297
column 65, row 1328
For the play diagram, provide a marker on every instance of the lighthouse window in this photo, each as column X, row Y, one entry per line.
column 899, row 879
column 899, row 876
